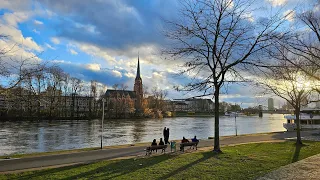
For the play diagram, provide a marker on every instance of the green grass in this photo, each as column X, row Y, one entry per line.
column 236, row 162
column 47, row 153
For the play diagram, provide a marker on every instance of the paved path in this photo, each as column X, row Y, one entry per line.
column 305, row 169
column 95, row 155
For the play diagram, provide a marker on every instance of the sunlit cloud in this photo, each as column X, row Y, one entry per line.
column 49, row 46
column 55, row 40
column 73, row 52
column 94, row 67
column 289, row 15
column 277, row 2
column 38, row 22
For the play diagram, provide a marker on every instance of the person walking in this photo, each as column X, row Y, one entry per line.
column 168, row 133
column 164, row 133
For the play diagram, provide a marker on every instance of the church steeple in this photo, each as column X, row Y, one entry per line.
column 138, row 69
column 138, row 89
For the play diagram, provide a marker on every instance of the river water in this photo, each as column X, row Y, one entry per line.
column 45, row 135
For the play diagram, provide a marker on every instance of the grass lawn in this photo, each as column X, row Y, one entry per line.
column 47, row 153
column 236, row 162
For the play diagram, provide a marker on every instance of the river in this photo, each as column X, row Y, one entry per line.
column 42, row 136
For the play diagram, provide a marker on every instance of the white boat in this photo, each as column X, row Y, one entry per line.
column 309, row 119
column 233, row 114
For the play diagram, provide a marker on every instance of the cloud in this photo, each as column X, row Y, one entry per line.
column 289, row 15
column 94, row 67
column 73, row 52
column 248, row 16
column 9, row 26
column 49, row 46
column 55, row 40
column 116, row 73
column 130, row 75
column 277, row 2
column 36, row 22
column 35, row 31
column 125, row 24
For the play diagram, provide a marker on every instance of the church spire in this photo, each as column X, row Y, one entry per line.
column 138, row 69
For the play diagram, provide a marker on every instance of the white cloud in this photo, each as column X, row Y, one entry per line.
column 35, row 31
column 289, row 15
column 116, row 73
column 157, row 75
column 9, row 26
column 38, row 22
column 55, row 40
column 96, row 51
column 94, row 67
column 248, row 16
column 129, row 75
column 16, row 5
column 277, row 2
column 73, row 52
column 49, row 46
column 89, row 28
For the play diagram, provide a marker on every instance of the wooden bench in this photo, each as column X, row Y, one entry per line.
column 191, row 144
column 155, row 148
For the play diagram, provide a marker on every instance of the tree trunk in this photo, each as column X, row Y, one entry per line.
column 216, row 122
column 298, row 126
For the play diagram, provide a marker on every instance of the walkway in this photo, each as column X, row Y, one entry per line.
column 95, row 155
column 305, row 169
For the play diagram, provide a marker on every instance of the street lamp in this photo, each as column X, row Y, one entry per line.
column 103, row 101
column 235, row 122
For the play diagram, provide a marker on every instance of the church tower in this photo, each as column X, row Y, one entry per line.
column 138, row 90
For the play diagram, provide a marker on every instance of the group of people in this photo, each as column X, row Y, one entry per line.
column 184, row 140
column 166, row 139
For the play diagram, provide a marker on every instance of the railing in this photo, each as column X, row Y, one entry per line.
column 292, row 126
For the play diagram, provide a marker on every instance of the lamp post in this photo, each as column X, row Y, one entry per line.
column 235, row 122
column 103, row 101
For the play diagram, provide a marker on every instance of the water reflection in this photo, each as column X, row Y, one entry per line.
column 41, row 136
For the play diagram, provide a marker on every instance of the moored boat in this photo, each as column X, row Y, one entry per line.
column 309, row 119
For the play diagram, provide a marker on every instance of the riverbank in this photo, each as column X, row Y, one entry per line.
column 142, row 144
column 23, row 164
column 248, row 161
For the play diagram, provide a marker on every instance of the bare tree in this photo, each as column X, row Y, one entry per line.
column 159, row 96
column 213, row 38
column 290, row 83
column 54, row 81
column 305, row 44
column 76, row 84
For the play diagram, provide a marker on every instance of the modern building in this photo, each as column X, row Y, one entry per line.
column 121, row 101
column 270, row 104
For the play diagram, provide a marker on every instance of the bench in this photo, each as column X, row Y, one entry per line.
column 155, row 148
column 191, row 144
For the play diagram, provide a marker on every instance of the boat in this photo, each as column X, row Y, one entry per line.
column 234, row 114
column 309, row 119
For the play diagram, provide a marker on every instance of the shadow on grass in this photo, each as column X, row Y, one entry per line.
column 296, row 154
column 109, row 171
column 37, row 174
column 206, row 155
column 121, row 167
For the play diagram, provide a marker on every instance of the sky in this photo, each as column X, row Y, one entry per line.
column 101, row 39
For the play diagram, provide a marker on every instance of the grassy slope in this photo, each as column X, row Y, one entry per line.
column 237, row 162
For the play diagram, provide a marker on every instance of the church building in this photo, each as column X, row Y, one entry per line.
column 124, row 101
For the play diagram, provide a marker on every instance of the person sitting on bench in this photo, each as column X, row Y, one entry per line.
column 184, row 140
column 195, row 139
column 154, row 142
column 161, row 142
